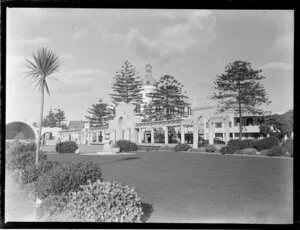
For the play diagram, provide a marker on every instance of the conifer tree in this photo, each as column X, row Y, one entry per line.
column 239, row 90
column 168, row 101
column 127, row 85
column 59, row 116
column 100, row 114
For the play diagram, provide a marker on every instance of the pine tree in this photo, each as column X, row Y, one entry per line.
column 168, row 101
column 100, row 113
column 127, row 85
column 59, row 116
column 50, row 120
column 238, row 89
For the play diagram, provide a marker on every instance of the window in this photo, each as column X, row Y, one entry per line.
column 230, row 135
column 249, row 121
column 218, row 125
column 236, row 121
column 230, row 124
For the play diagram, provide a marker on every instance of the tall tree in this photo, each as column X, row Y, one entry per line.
column 127, row 85
column 50, row 119
column 59, row 116
column 100, row 114
column 168, row 101
column 239, row 89
column 44, row 64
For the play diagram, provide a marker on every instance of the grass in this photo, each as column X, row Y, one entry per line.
column 191, row 187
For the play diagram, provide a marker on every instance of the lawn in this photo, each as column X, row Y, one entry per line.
column 193, row 187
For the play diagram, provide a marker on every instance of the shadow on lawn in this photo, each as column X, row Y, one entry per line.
column 122, row 159
column 147, row 210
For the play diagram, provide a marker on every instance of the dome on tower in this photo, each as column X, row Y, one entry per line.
column 148, row 78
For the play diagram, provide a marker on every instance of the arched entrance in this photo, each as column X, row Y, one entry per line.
column 20, row 130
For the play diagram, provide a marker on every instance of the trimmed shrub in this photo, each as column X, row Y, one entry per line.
column 182, row 147
column 242, row 144
column 264, row 152
column 288, row 145
column 229, row 149
column 210, row 148
column 105, row 202
column 21, row 160
column 51, row 206
column 126, row 146
column 68, row 147
column 276, row 151
column 249, row 151
column 266, row 143
column 67, row 177
column 217, row 141
column 166, row 148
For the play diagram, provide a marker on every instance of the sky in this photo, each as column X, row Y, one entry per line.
column 194, row 46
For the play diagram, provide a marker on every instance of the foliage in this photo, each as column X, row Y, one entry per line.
column 166, row 148
column 29, row 190
column 24, row 159
column 126, row 146
column 264, row 152
column 242, row 144
column 210, row 148
column 100, row 114
column 266, row 143
column 182, row 147
column 229, row 149
column 288, row 145
column 168, row 100
column 60, row 116
column 277, row 151
column 68, row 147
column 44, row 64
column 200, row 149
column 106, row 202
column 67, row 177
column 278, row 125
column 50, row 119
column 217, row 141
column 127, row 86
column 249, row 151
column 239, row 89
column 52, row 205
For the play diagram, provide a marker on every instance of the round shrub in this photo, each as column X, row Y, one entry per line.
column 68, row 147
column 210, row 148
column 242, row 144
column 264, row 152
column 106, row 202
column 229, row 149
column 276, row 151
column 249, row 151
column 182, row 147
column 126, row 146
column 51, row 206
column 266, row 143
column 67, row 177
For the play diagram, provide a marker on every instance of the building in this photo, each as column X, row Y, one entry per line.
column 203, row 124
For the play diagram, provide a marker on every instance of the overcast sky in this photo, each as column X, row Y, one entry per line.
column 192, row 45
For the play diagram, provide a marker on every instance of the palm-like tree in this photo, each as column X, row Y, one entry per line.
column 44, row 64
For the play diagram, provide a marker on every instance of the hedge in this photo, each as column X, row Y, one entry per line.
column 67, row 177
column 241, row 144
column 126, row 146
column 277, row 151
column 229, row 149
column 67, row 147
column 210, row 148
column 266, row 143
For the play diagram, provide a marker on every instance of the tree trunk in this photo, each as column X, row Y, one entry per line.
column 40, row 128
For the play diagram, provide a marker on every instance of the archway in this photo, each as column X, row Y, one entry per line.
column 20, row 130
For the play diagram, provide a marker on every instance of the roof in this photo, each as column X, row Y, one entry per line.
column 76, row 125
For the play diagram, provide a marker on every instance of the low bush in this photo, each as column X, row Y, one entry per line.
column 126, row 146
column 217, row 141
column 182, row 147
column 106, row 202
column 242, row 144
column 264, row 152
column 239, row 152
column 266, row 143
column 51, row 206
column 19, row 161
column 167, row 148
column 229, row 149
column 249, row 151
column 67, row 177
column 288, row 145
column 210, row 148
column 68, row 147
column 204, row 143
column 277, row 151
column 32, row 172
column 17, row 148
column 200, row 149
